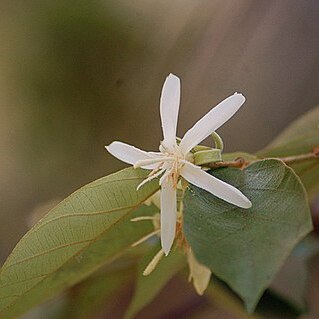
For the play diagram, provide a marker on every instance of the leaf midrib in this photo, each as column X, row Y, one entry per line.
column 47, row 252
column 40, row 225
column 41, row 220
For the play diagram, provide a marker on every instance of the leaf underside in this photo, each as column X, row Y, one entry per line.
column 84, row 231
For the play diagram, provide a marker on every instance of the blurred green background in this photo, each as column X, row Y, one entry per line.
column 76, row 75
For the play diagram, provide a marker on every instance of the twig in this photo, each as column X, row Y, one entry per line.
column 238, row 162
column 302, row 157
column 241, row 162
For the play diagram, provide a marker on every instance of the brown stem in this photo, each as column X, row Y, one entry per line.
column 241, row 162
column 238, row 162
column 300, row 158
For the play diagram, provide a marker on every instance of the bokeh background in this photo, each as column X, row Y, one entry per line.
column 76, row 75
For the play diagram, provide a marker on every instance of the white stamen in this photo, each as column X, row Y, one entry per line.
column 151, row 266
column 141, row 240
column 166, row 174
column 157, row 154
column 151, row 177
column 137, row 219
column 146, row 162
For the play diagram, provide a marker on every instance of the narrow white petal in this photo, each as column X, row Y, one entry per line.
column 130, row 154
column 215, row 118
column 169, row 106
column 196, row 176
column 199, row 273
column 164, row 177
column 145, row 238
column 168, row 215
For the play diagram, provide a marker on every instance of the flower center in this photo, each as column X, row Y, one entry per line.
column 174, row 171
column 174, row 163
column 169, row 164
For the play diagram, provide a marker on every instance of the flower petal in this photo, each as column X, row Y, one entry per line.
column 168, row 215
column 196, row 176
column 130, row 154
column 199, row 273
column 169, row 106
column 211, row 121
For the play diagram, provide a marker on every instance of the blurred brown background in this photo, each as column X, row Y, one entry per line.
column 75, row 75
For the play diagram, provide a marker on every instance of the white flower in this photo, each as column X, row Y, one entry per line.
column 174, row 160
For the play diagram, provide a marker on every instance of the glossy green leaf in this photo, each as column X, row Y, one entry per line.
column 246, row 248
column 300, row 137
column 84, row 231
column 147, row 287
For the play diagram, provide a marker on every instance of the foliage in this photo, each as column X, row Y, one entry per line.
column 85, row 230
column 246, row 248
column 302, row 136
column 92, row 227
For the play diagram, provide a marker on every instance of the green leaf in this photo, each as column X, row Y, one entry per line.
column 218, row 294
column 84, row 231
column 246, row 248
column 147, row 287
column 300, row 137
